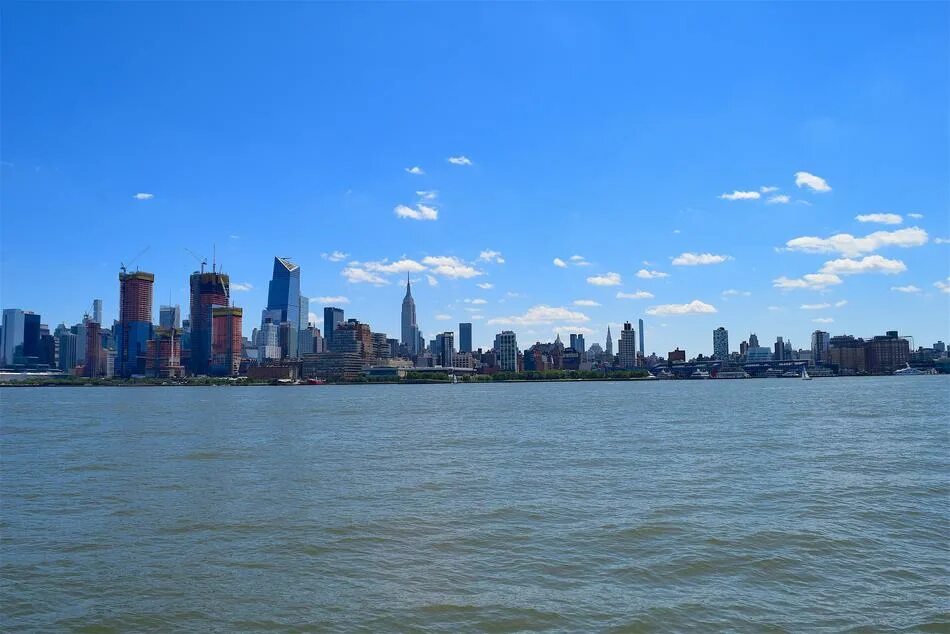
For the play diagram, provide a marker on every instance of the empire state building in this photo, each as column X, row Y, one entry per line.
column 410, row 331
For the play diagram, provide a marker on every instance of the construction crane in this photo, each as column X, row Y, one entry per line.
column 200, row 259
column 122, row 265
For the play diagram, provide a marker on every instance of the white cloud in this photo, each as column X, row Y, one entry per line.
column 884, row 219
column 848, row 245
column 558, row 262
column 638, row 295
column 943, row 285
column 477, row 300
column 571, row 328
column 357, row 275
column 427, row 194
column 840, row 303
column 731, row 292
column 404, row 265
column 812, row 182
column 867, row 264
column 335, row 256
column 246, row 286
column 234, row 236
column 431, row 279
column 421, row 212
column 459, row 160
column 485, row 285
column 768, row 189
column 811, row 281
column 699, row 259
column 739, row 195
column 473, row 317
column 450, row 266
column 330, row 300
column 542, row 314
column 676, row 231
column 693, row 308
column 491, row 256
column 815, row 306
column 779, row 199
column 470, row 309
column 607, row 279
column 824, row 320
column 579, row 260
column 586, row 302
column 941, row 240
column 910, row 288
column 651, row 275
column 774, row 308
column 443, row 317
column 312, row 318
column 915, row 216
column 143, row 196
column 415, row 170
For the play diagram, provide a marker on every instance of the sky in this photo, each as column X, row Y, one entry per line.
column 768, row 167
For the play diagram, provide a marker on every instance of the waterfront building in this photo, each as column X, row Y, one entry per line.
column 332, row 317
column 380, row 346
column 506, row 351
column 721, row 344
column 445, row 349
column 886, row 353
column 134, row 328
column 676, row 356
column 332, row 366
column 627, row 347
column 643, row 351
column 609, row 347
column 268, row 342
column 465, row 337
column 169, row 316
column 847, row 354
column 410, row 329
column 226, row 340
column 68, row 358
column 163, row 354
column 207, row 291
column 97, row 311
column 758, row 354
column 12, row 335
column 820, row 341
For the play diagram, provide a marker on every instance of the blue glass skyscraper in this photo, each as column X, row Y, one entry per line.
column 283, row 294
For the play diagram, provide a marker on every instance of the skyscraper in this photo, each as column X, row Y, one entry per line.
column 283, row 294
column 721, row 343
column 13, row 319
column 169, row 316
column 627, row 347
column 226, row 340
column 332, row 317
column 753, row 341
column 207, row 291
column 506, row 351
column 465, row 337
column 445, row 348
column 778, row 353
column 643, row 351
column 410, row 330
column 820, row 341
column 134, row 328
column 609, row 348
column 97, row 311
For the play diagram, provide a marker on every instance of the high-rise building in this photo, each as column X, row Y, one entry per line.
column 94, row 363
column 778, row 353
column 97, row 311
column 163, row 356
column 820, row 341
column 848, row 354
column 609, row 348
column 207, row 291
column 887, row 353
column 643, row 351
column 676, row 356
column 332, row 317
column 627, row 347
column 753, row 341
column 465, row 337
column 580, row 345
column 134, row 328
column 283, row 294
column 169, row 316
column 721, row 343
column 226, row 340
column 410, row 328
column 506, row 351
column 67, row 350
column 444, row 352
column 31, row 337
column 12, row 338
column 354, row 337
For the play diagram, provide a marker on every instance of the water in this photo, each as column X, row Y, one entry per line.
column 740, row 505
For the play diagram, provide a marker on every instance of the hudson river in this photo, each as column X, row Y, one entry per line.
column 743, row 505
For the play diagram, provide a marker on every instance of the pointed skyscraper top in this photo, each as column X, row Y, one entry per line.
column 408, row 287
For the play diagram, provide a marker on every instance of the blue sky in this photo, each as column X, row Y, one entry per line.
column 606, row 131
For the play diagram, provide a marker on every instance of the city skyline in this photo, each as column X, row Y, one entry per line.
column 811, row 196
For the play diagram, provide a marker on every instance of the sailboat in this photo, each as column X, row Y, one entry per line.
column 805, row 376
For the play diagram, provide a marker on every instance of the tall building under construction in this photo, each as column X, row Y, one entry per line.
column 226, row 322
column 208, row 290
column 134, row 328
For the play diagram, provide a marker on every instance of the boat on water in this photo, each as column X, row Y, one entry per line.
column 805, row 376
column 699, row 374
column 790, row 374
column 315, row 382
column 455, row 379
column 909, row 371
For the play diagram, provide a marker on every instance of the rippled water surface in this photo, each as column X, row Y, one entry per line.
column 743, row 505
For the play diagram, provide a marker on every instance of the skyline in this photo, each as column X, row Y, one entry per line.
column 559, row 169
